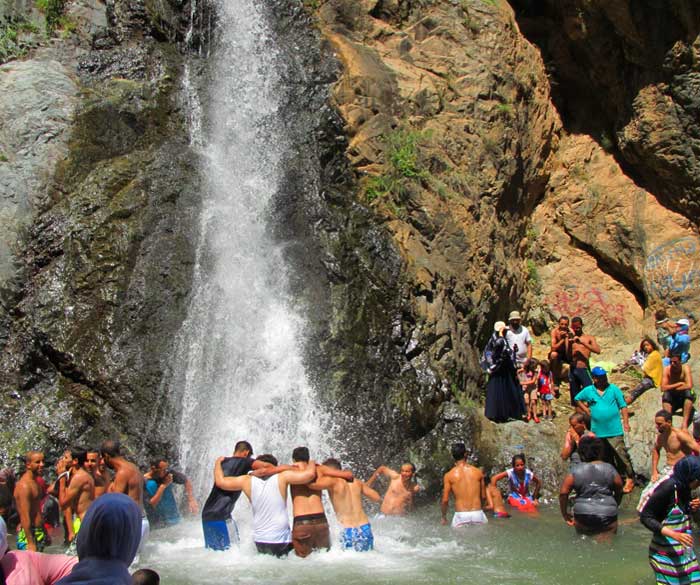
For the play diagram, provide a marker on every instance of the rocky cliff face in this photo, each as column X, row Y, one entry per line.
column 454, row 161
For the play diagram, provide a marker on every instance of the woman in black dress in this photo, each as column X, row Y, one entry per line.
column 504, row 396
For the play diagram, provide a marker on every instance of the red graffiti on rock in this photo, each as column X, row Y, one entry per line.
column 587, row 302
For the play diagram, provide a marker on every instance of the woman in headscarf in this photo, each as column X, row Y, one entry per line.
column 666, row 514
column 108, row 540
column 20, row 567
column 504, row 396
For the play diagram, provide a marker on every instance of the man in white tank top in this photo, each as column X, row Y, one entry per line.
column 268, row 497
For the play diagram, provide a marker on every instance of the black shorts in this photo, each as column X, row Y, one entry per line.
column 593, row 523
column 277, row 549
column 677, row 399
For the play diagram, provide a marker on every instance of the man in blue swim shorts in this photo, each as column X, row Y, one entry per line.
column 346, row 497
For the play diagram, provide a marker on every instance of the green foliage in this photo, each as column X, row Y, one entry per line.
column 53, row 11
column 3, row 158
column 67, row 26
column 506, row 109
column 533, row 277
column 532, row 233
column 402, row 166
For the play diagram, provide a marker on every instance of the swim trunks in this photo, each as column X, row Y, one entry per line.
column 72, row 550
column 467, row 518
column 39, row 539
column 677, row 399
column 359, row 538
column 592, row 523
column 276, row 549
column 309, row 533
column 219, row 534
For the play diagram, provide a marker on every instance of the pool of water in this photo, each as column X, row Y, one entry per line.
column 540, row 550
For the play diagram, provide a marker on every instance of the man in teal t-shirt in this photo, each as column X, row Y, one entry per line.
column 604, row 403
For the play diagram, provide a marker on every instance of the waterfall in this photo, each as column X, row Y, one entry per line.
column 237, row 365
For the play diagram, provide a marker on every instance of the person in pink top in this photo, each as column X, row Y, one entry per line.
column 21, row 567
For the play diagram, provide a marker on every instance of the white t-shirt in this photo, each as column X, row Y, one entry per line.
column 522, row 340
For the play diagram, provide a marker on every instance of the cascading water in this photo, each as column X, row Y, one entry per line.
column 238, row 363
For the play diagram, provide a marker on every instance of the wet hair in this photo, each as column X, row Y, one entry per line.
column 333, row 463
column 243, row 446
column 413, row 467
column 79, row 454
column 518, row 457
column 650, row 341
column 544, row 364
column 267, row 458
column 581, row 417
column 111, row 448
column 301, row 454
column 664, row 414
column 591, row 449
column 459, row 451
column 577, row 320
column 145, row 577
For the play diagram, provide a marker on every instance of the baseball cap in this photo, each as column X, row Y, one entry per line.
column 598, row 371
column 498, row 325
column 684, row 322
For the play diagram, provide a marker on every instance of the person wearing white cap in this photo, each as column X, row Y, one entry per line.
column 504, row 397
column 519, row 338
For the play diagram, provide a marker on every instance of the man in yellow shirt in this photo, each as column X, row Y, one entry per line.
column 652, row 369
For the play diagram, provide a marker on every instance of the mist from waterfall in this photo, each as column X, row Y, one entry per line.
column 238, row 364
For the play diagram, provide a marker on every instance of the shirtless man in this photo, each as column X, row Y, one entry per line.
column 398, row 499
column 557, row 351
column 28, row 495
column 346, row 498
column 310, row 531
column 268, row 498
column 677, row 388
column 677, row 443
column 127, row 480
column 102, row 475
column 79, row 493
column 579, row 348
column 466, row 483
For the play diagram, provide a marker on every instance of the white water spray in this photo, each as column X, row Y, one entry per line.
column 238, row 362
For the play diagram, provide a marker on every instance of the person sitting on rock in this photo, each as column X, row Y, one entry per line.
column 523, row 485
column 652, row 369
column 677, row 388
column 579, row 348
column 680, row 342
column 557, row 351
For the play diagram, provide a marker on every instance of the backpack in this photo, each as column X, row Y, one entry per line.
column 486, row 361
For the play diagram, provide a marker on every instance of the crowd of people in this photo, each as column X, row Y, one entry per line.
column 107, row 506
column 601, row 469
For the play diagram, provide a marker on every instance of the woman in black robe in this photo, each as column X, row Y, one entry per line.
column 504, row 396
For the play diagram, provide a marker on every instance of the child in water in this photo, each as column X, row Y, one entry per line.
column 494, row 499
column 520, row 480
column 545, row 383
column 528, row 380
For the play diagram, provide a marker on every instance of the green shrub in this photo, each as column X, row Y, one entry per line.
column 53, row 11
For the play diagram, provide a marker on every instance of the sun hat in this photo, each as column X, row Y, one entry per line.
column 498, row 325
column 514, row 315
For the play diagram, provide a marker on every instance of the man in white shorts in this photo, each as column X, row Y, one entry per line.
column 466, row 483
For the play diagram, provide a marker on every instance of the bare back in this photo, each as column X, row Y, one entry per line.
column 128, row 480
column 346, row 498
column 466, row 484
column 306, row 501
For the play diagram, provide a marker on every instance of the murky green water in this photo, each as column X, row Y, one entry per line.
column 520, row 550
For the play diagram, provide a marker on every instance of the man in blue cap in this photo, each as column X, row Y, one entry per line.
column 604, row 403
